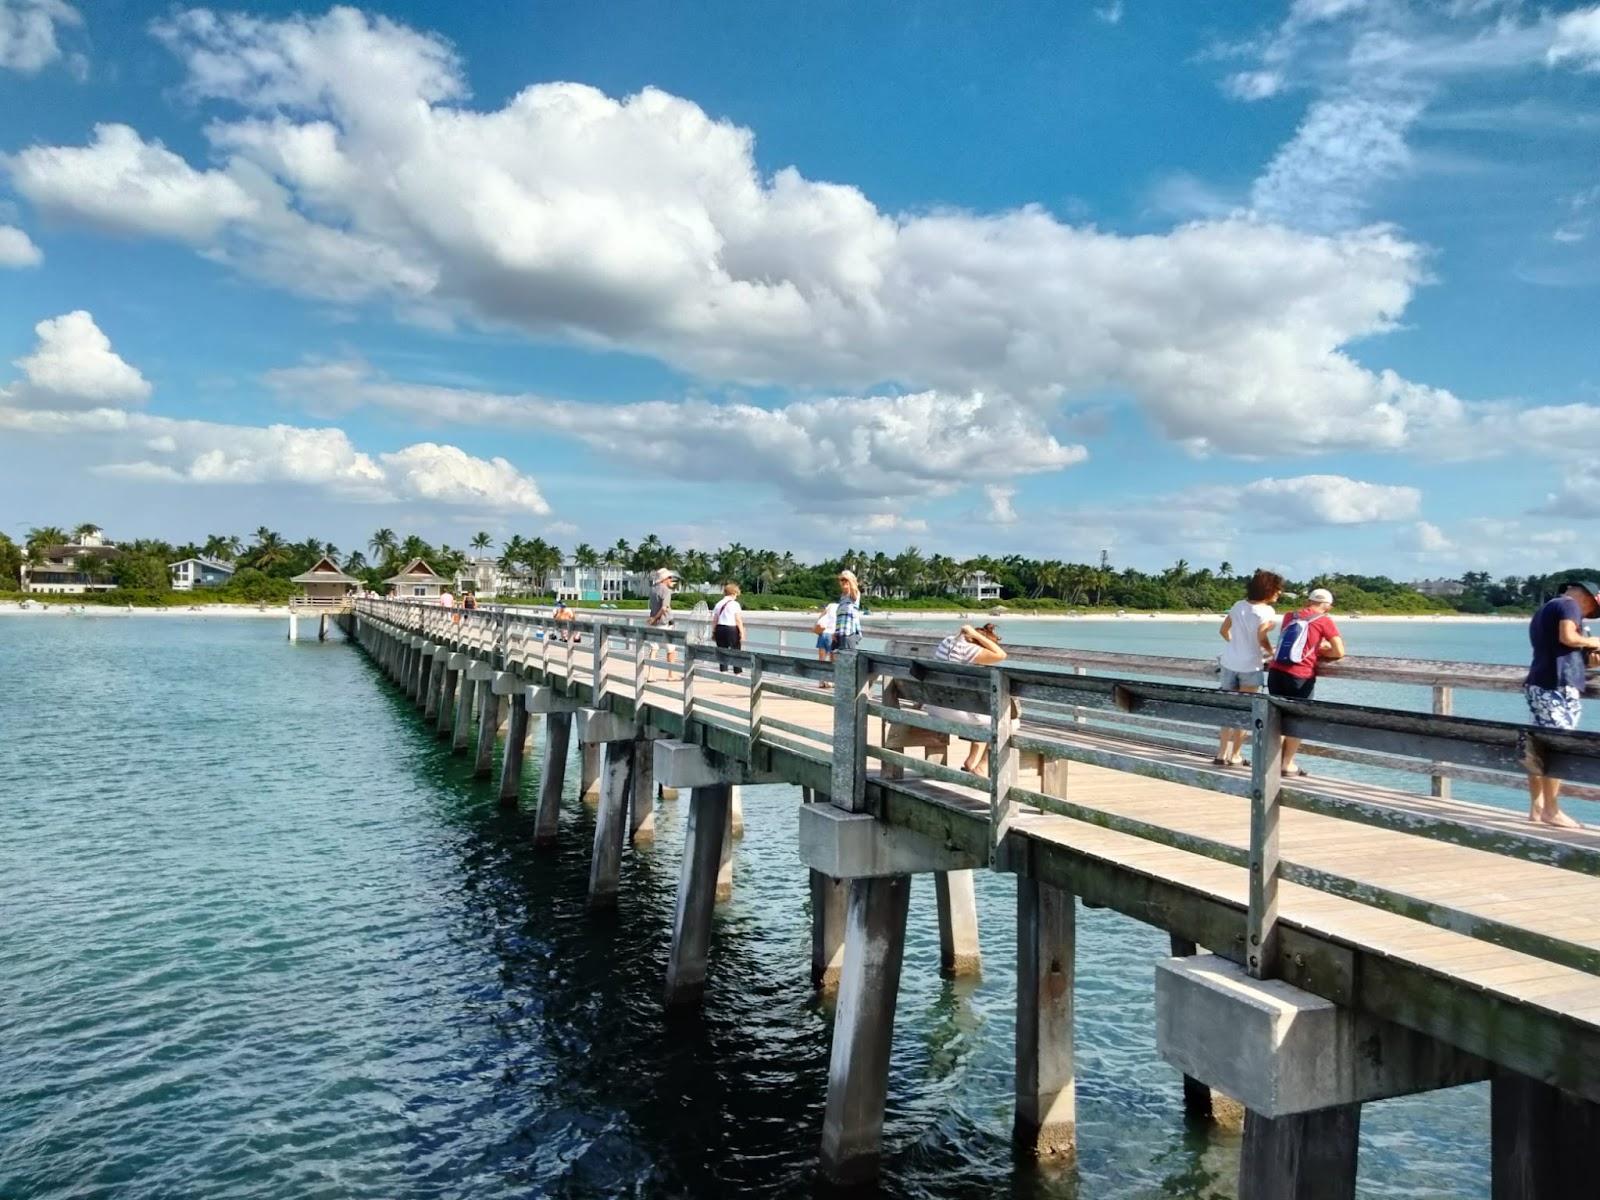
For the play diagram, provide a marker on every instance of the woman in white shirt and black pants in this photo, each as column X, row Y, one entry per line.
column 727, row 624
column 1245, row 629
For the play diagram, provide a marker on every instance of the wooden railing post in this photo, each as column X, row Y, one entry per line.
column 755, row 705
column 1003, row 759
column 1266, row 769
column 852, row 683
column 640, row 658
column 599, row 662
column 1443, row 702
column 688, row 686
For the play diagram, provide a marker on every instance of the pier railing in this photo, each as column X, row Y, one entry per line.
column 1043, row 707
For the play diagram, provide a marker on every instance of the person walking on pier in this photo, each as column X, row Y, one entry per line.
column 1308, row 639
column 727, row 624
column 975, row 647
column 661, row 606
column 1245, row 629
column 1554, row 685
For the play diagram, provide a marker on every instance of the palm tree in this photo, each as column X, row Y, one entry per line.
column 269, row 550
column 41, row 539
column 356, row 563
column 585, row 555
column 382, row 543
column 619, row 555
column 79, row 532
column 1225, row 569
column 216, row 546
column 481, row 541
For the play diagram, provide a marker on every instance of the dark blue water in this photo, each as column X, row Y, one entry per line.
column 260, row 936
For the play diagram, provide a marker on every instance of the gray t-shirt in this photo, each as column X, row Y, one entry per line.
column 660, row 604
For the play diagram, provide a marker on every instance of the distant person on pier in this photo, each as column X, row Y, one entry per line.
column 827, row 614
column 447, row 600
column 469, row 603
column 975, row 647
column 1554, row 685
column 661, row 606
column 1308, row 639
column 1245, row 629
column 727, row 624
column 847, row 614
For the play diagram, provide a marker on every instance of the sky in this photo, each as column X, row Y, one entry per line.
column 1312, row 285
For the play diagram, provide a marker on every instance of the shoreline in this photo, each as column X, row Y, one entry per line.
column 878, row 618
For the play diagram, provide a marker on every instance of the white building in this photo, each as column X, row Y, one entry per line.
column 72, row 569
column 418, row 581
column 199, row 572
column 1440, row 587
column 595, row 584
column 977, row 585
column 481, row 577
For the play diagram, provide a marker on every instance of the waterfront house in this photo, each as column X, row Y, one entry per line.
column 193, row 573
column 1440, row 587
column 978, row 585
column 569, row 581
column 418, row 581
column 325, row 583
column 73, row 568
column 481, row 577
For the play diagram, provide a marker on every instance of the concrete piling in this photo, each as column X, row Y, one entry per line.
column 697, row 883
column 516, row 745
column 642, row 793
column 605, row 865
column 957, row 902
column 552, row 778
column 589, row 773
column 858, row 1072
column 1305, row 1156
column 448, row 688
column 1045, row 1124
column 830, row 901
column 488, row 727
column 1544, row 1143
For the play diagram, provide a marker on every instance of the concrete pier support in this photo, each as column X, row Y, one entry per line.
column 830, row 900
column 516, row 745
column 1046, row 1117
column 610, row 827
column 448, row 686
column 552, row 778
column 1197, row 1102
column 431, row 683
column 858, row 1073
column 1544, row 1143
column 488, row 727
column 1306, row 1156
column 958, row 924
column 322, row 627
column 725, row 859
column 294, row 626
column 642, row 793
column 420, row 672
column 736, row 814
column 461, row 723
column 697, row 882
column 589, row 773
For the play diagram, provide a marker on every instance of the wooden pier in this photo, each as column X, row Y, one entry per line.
column 1355, row 942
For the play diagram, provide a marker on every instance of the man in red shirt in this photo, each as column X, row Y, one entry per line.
column 1307, row 638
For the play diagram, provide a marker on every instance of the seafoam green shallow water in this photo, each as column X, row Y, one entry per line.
column 260, row 936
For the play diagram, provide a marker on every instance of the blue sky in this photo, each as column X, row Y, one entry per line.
column 1311, row 284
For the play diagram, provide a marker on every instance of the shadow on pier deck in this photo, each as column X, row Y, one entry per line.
column 1334, row 942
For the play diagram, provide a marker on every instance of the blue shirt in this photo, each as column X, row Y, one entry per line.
column 1554, row 665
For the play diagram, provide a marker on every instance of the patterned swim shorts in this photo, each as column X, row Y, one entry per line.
column 1554, row 708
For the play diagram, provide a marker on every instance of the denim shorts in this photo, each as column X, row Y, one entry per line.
column 1233, row 680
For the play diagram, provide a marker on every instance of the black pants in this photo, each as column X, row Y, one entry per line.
column 727, row 638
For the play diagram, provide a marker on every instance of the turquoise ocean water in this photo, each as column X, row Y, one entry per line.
column 261, row 937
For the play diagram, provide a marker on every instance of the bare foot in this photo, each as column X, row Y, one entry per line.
column 1560, row 819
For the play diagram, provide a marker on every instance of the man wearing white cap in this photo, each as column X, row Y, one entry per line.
column 1308, row 638
column 661, row 605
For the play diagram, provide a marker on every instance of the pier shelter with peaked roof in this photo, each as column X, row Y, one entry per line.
column 417, row 581
column 325, row 583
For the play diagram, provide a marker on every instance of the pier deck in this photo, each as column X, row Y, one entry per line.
column 1457, row 921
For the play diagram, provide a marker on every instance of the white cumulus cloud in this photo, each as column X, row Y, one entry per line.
column 28, row 32
column 1329, row 500
column 75, row 385
column 74, row 366
column 17, row 248
column 348, row 164
column 1577, row 39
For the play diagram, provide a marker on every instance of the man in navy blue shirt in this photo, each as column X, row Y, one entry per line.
column 1555, row 683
